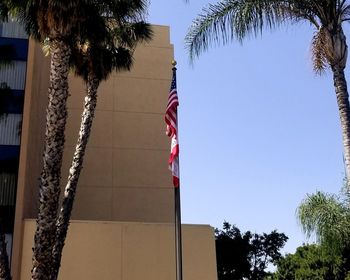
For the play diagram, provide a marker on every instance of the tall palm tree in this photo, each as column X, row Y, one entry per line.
column 94, row 60
column 236, row 19
column 57, row 23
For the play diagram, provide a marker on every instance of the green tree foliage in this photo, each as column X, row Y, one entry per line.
column 311, row 262
column 328, row 217
column 246, row 255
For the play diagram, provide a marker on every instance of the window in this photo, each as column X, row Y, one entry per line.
column 19, row 48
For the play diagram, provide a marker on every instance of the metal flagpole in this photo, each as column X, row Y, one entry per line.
column 178, row 241
column 178, row 233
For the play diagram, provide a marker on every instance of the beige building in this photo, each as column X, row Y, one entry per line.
column 123, row 217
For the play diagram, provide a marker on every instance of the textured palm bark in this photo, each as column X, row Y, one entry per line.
column 74, row 173
column 344, row 112
column 5, row 273
column 336, row 51
column 49, row 187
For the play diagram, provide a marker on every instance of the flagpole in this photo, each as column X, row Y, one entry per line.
column 178, row 241
column 178, row 232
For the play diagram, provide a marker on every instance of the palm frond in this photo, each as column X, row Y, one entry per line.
column 234, row 19
column 134, row 10
column 297, row 10
column 131, row 33
column 345, row 12
column 325, row 216
column 318, row 50
column 106, row 43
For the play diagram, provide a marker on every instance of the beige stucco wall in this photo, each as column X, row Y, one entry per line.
column 129, row 251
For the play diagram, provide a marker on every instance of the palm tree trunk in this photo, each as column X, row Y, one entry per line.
column 5, row 273
column 342, row 95
column 49, row 187
column 74, row 172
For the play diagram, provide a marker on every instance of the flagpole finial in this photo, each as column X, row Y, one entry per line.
column 173, row 63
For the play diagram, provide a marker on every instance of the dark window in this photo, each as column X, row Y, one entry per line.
column 9, row 158
column 7, row 217
column 16, row 49
column 12, row 101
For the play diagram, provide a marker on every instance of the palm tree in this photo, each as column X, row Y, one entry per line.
column 235, row 19
column 58, row 23
column 94, row 59
column 328, row 217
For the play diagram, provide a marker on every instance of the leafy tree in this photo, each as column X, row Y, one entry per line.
column 310, row 262
column 232, row 253
column 328, row 217
column 265, row 250
column 246, row 255
column 236, row 19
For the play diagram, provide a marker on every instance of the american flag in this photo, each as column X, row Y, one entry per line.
column 171, row 121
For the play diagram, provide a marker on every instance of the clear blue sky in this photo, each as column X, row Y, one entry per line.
column 259, row 130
